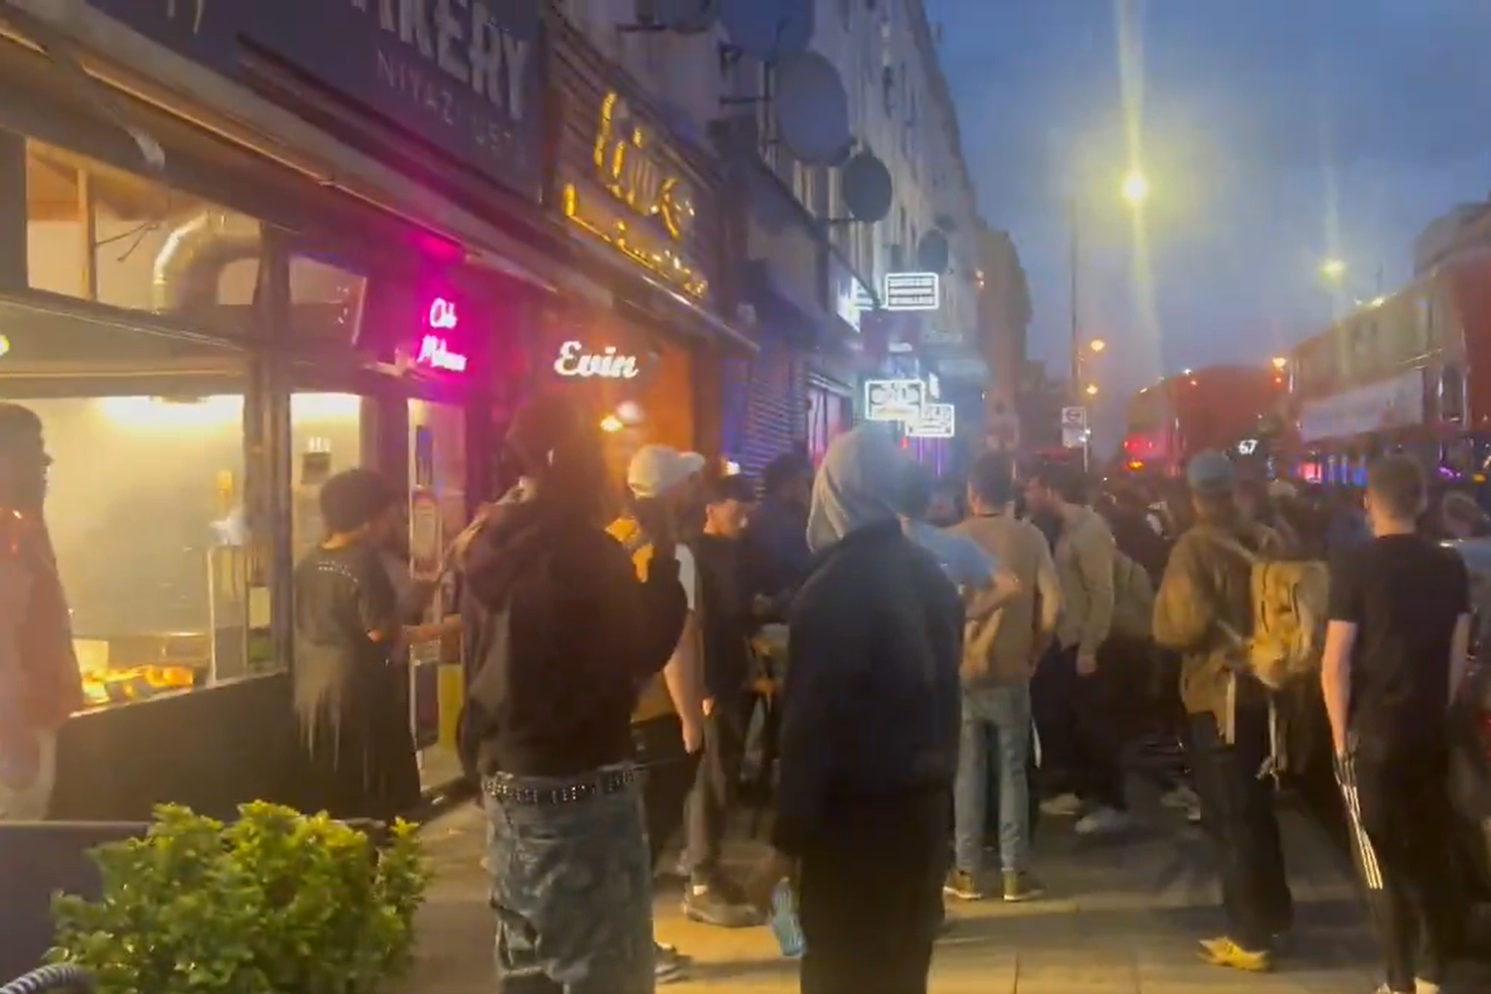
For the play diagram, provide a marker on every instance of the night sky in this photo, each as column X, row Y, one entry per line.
column 1274, row 133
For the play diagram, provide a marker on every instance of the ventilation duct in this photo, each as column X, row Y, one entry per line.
column 195, row 253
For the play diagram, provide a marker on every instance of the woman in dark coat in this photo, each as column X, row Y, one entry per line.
column 353, row 720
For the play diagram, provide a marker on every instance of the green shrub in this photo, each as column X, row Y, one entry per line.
column 274, row 903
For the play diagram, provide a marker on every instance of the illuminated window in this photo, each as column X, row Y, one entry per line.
column 146, row 500
column 326, row 300
column 106, row 235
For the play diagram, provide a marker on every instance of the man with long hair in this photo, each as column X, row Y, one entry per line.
column 559, row 633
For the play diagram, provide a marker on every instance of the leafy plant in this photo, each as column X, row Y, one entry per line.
column 274, row 903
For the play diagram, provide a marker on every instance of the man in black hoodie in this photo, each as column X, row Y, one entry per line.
column 558, row 635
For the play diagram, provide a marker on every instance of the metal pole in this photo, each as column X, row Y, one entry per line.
column 1076, row 370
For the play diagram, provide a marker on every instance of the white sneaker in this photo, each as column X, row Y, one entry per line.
column 1062, row 805
column 1180, row 797
column 1425, row 987
column 1102, row 821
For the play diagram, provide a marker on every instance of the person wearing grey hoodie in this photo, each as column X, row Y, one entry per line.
column 869, row 734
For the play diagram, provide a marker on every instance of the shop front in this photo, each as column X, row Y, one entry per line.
column 646, row 208
column 208, row 333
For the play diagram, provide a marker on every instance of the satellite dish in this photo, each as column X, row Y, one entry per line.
column 812, row 108
column 932, row 252
column 867, row 188
column 687, row 17
column 768, row 30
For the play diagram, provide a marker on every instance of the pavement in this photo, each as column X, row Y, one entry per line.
column 1121, row 917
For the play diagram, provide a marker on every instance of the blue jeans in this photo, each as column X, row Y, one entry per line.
column 572, row 889
column 996, row 724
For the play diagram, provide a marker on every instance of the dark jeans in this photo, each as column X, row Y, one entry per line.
column 1237, row 812
column 1398, row 810
column 668, row 773
column 1080, row 724
column 871, row 893
column 572, row 891
column 715, row 784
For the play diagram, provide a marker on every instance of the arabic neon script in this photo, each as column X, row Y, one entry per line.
column 606, row 364
column 435, row 353
column 443, row 315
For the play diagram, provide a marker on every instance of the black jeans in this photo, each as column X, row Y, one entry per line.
column 1398, row 811
column 871, row 892
column 1081, row 730
column 669, row 776
column 715, row 784
column 1237, row 812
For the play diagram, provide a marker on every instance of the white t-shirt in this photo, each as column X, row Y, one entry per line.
column 688, row 573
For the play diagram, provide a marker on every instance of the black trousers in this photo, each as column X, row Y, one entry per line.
column 716, row 784
column 1080, row 723
column 669, row 772
column 1237, row 813
column 1398, row 811
column 870, row 891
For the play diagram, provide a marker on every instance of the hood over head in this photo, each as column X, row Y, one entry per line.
column 511, row 537
column 860, row 483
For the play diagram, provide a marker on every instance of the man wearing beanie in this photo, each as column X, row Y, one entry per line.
column 1206, row 592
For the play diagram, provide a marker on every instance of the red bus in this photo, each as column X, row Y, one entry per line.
column 1407, row 372
column 1233, row 409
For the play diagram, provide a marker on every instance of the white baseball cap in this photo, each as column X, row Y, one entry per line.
column 657, row 469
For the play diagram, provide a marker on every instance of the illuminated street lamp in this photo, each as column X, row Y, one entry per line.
column 1135, row 187
column 1333, row 269
column 1097, row 345
column 1092, row 389
column 1280, row 362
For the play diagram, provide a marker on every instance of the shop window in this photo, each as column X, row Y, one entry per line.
column 145, row 500
column 326, row 437
column 109, row 236
column 326, row 300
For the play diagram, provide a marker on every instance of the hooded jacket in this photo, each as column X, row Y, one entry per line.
column 558, row 634
column 870, row 702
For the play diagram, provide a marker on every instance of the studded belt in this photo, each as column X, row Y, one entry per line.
column 511, row 790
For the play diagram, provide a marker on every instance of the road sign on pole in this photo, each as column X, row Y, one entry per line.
column 1073, row 417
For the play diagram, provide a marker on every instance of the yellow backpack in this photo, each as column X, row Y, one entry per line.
column 653, row 701
column 1291, row 605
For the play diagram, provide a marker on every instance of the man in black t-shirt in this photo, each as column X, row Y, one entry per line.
column 1395, row 652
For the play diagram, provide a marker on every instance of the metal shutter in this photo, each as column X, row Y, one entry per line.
column 766, row 407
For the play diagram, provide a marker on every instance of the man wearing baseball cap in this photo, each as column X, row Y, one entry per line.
column 668, row 723
column 1206, row 590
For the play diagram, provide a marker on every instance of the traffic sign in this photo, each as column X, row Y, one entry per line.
column 1073, row 417
column 1073, row 436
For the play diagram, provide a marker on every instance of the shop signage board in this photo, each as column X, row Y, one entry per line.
column 463, row 76
column 607, row 364
column 894, row 400
column 1382, row 406
column 913, row 291
column 936, row 421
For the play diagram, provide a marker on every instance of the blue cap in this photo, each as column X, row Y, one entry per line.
column 1211, row 474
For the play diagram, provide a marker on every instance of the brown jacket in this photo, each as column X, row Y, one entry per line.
column 1084, row 564
column 998, row 648
column 1206, row 584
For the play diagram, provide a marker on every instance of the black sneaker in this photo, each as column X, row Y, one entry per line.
column 720, row 903
column 960, row 884
column 669, row 965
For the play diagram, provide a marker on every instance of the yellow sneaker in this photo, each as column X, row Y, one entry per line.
column 1225, row 952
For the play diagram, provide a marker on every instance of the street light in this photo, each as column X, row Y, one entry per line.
column 1280, row 362
column 1333, row 269
column 1135, row 187
column 1092, row 389
column 1096, row 345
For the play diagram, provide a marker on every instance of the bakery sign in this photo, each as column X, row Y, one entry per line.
column 634, row 195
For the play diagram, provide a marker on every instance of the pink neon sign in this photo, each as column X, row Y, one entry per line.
column 434, row 350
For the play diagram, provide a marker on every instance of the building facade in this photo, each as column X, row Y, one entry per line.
column 236, row 259
column 812, row 275
column 1003, row 324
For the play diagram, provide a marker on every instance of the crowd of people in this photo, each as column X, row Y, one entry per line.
column 957, row 662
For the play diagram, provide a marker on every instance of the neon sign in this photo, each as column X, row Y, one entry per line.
column 435, row 353
column 643, row 187
column 606, row 364
column 443, row 314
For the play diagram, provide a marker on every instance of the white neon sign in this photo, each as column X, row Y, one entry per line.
column 913, row 291
column 607, row 364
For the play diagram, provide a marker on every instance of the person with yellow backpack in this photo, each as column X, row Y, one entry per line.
column 1204, row 611
column 668, row 721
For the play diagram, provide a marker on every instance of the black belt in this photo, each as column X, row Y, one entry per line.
column 509, row 790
